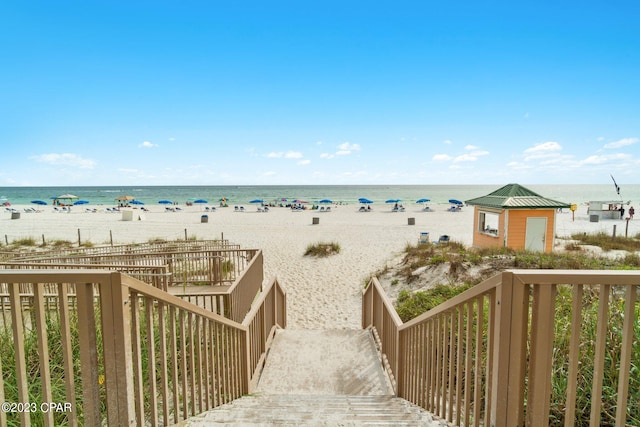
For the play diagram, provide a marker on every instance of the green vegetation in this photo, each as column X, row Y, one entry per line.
column 322, row 249
column 607, row 242
column 410, row 305
column 27, row 241
column 462, row 276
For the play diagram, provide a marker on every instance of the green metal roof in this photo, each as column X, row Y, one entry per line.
column 515, row 196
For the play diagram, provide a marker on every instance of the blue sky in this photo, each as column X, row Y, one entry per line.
column 331, row 92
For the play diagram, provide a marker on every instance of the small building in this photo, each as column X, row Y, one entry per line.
column 606, row 209
column 515, row 217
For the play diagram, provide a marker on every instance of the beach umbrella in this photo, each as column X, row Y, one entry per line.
column 125, row 198
column 257, row 201
column 39, row 202
column 81, row 202
column 423, row 200
column 65, row 199
column 165, row 202
column 200, row 201
column 325, row 201
column 393, row 201
column 136, row 202
column 364, row 200
column 455, row 202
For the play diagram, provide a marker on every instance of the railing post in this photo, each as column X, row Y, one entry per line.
column 509, row 352
column 118, row 367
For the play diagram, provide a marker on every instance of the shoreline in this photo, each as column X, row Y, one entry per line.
column 323, row 293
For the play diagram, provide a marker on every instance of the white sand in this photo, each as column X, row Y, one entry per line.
column 322, row 293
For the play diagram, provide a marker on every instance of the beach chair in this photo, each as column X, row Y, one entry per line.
column 443, row 239
column 424, row 237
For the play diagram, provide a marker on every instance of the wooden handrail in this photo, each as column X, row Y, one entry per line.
column 486, row 356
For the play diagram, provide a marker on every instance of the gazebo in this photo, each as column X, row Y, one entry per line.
column 515, row 217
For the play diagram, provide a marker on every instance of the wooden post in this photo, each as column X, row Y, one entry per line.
column 79, row 237
column 614, row 232
column 626, row 229
column 43, row 242
column 185, row 234
column 111, row 237
column 509, row 352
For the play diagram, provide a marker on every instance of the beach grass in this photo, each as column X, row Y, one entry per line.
column 410, row 305
column 322, row 249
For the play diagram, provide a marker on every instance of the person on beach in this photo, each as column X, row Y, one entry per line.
column 621, row 211
column 631, row 212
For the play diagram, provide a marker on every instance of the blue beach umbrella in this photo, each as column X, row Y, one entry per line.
column 81, row 202
column 365, row 200
column 39, row 202
column 393, row 201
column 136, row 202
column 423, row 200
column 257, row 201
column 165, row 202
column 455, row 202
column 325, row 201
column 200, row 201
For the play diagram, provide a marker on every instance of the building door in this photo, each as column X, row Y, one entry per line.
column 535, row 237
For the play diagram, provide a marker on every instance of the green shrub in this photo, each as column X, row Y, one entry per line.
column 412, row 304
column 322, row 249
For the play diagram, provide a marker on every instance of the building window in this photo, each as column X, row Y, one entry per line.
column 488, row 223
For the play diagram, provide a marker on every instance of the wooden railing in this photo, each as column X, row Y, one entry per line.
column 123, row 352
column 233, row 301
column 499, row 354
column 186, row 268
column 124, row 249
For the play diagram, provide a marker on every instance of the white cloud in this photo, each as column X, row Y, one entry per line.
column 598, row 160
column 304, row 162
column 441, row 158
column 465, row 158
column 344, row 149
column 470, row 147
column 622, row 143
column 542, row 151
column 282, row 154
column 65, row 159
column 147, row 144
column 347, row 148
column 448, row 141
column 544, row 147
column 293, row 155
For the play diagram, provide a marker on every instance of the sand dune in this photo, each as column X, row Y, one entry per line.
column 322, row 293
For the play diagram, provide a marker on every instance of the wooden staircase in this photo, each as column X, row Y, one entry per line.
column 320, row 378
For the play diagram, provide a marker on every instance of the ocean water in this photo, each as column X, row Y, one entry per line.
column 439, row 194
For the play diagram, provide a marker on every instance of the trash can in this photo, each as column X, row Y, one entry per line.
column 594, row 218
column 15, row 215
column 204, row 218
column 315, row 220
column 411, row 221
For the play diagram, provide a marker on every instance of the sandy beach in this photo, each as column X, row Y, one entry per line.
column 322, row 293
